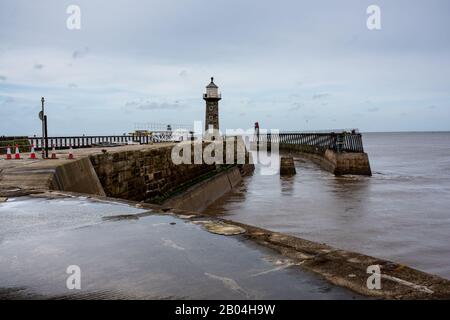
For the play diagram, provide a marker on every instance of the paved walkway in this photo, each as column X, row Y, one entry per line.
column 29, row 173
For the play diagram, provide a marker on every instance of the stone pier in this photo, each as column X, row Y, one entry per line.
column 338, row 163
column 287, row 166
column 134, row 172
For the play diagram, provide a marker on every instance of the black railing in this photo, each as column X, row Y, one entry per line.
column 340, row 142
column 99, row 141
column 12, row 141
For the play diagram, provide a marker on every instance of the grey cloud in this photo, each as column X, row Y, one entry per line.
column 147, row 105
column 183, row 74
column 7, row 100
column 72, row 85
column 320, row 96
column 38, row 66
column 2, row 78
column 131, row 104
column 296, row 106
column 432, row 107
column 76, row 54
column 158, row 106
column 372, row 107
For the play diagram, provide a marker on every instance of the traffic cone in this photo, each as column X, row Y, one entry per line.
column 33, row 153
column 70, row 153
column 8, row 153
column 53, row 152
column 17, row 155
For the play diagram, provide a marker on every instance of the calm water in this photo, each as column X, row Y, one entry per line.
column 401, row 213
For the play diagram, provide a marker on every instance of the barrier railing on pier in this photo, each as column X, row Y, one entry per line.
column 98, row 141
column 12, row 141
column 345, row 141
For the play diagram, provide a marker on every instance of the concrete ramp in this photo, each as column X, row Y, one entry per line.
column 59, row 174
column 77, row 176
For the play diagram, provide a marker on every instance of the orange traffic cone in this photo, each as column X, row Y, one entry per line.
column 70, row 153
column 17, row 155
column 8, row 153
column 33, row 153
column 53, row 152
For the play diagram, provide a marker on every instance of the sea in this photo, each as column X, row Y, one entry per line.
column 400, row 213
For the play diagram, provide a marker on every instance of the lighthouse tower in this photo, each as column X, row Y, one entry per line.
column 212, row 97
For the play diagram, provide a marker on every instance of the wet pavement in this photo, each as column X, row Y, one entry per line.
column 122, row 255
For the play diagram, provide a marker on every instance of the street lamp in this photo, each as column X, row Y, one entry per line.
column 44, row 141
column 41, row 116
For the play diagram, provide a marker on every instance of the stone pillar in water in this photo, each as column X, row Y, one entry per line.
column 287, row 166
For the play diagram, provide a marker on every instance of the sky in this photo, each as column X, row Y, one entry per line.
column 290, row 65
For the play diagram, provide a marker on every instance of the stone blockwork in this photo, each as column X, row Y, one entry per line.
column 133, row 172
column 287, row 166
column 143, row 174
column 201, row 195
column 349, row 162
column 150, row 174
column 339, row 163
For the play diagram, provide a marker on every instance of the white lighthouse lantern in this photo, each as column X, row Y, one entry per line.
column 212, row 90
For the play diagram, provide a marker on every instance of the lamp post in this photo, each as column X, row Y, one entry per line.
column 41, row 116
column 44, row 141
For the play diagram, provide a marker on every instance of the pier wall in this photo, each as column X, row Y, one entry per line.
column 147, row 174
column 138, row 173
column 150, row 175
column 338, row 163
column 201, row 195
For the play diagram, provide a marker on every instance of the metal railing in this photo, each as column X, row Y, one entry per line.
column 105, row 141
column 340, row 142
column 12, row 141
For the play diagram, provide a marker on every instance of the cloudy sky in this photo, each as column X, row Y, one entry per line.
column 293, row 65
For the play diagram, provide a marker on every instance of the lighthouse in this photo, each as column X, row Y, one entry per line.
column 212, row 97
